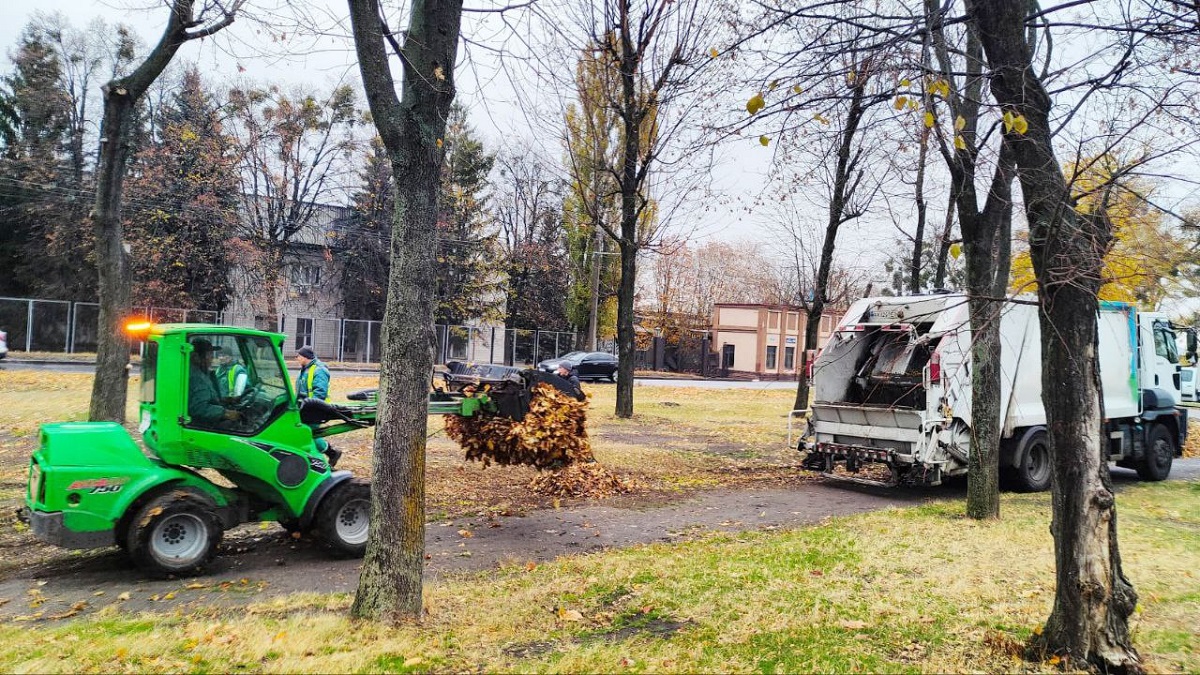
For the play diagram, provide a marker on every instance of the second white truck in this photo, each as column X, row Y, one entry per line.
column 892, row 389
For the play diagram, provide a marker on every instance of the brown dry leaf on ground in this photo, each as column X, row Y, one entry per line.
column 589, row 480
column 1191, row 448
column 553, row 433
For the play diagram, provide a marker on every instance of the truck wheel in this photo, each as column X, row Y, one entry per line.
column 344, row 517
column 1032, row 474
column 1160, row 451
column 174, row 533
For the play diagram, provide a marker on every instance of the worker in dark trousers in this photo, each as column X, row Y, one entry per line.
column 313, row 382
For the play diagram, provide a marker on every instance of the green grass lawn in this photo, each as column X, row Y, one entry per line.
column 901, row 590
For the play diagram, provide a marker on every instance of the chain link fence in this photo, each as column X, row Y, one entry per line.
column 36, row 325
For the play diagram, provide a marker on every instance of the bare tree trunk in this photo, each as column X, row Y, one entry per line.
column 844, row 184
column 986, row 238
column 110, row 386
column 390, row 586
column 632, row 112
column 1093, row 599
column 914, row 267
column 944, row 242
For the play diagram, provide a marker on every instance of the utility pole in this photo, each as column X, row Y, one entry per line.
column 593, row 317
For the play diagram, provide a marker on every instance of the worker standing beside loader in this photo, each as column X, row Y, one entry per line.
column 313, row 382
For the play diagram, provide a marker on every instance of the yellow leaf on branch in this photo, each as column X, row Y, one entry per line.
column 755, row 103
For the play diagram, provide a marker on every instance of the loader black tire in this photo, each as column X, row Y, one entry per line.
column 1160, row 452
column 174, row 534
column 1034, row 466
column 343, row 519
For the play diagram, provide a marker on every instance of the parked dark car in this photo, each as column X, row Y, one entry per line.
column 587, row 365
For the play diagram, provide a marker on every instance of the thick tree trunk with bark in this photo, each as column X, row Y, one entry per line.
column 390, row 586
column 1093, row 599
column 110, row 386
column 633, row 111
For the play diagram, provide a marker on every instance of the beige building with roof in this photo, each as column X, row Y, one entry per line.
column 763, row 340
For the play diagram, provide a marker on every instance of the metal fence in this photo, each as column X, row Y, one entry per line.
column 36, row 325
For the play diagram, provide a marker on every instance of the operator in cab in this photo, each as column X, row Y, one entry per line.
column 204, row 394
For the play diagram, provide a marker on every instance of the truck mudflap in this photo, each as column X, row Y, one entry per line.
column 854, row 464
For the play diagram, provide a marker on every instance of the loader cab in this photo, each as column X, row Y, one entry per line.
column 208, row 390
column 235, row 383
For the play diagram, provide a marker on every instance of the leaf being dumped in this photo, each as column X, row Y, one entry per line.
column 553, row 433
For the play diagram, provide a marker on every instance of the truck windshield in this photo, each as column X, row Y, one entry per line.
column 1164, row 342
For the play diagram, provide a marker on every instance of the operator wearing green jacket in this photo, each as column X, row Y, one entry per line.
column 204, row 395
column 313, row 382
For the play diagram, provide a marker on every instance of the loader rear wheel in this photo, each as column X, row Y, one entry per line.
column 343, row 519
column 1160, row 452
column 175, row 533
column 1032, row 473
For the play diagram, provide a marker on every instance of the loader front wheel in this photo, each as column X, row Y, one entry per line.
column 343, row 519
column 1032, row 473
column 175, row 533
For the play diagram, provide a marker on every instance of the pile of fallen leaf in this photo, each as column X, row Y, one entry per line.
column 553, row 433
column 589, row 480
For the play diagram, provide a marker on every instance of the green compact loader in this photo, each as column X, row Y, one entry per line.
column 91, row 485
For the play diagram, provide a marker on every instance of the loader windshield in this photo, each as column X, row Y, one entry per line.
column 236, row 383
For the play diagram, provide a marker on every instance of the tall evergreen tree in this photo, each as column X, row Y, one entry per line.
column 182, row 205
column 468, row 281
column 39, row 202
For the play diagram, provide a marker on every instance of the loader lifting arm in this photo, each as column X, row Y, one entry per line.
column 508, row 397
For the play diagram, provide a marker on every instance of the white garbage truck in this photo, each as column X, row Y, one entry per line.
column 892, row 392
